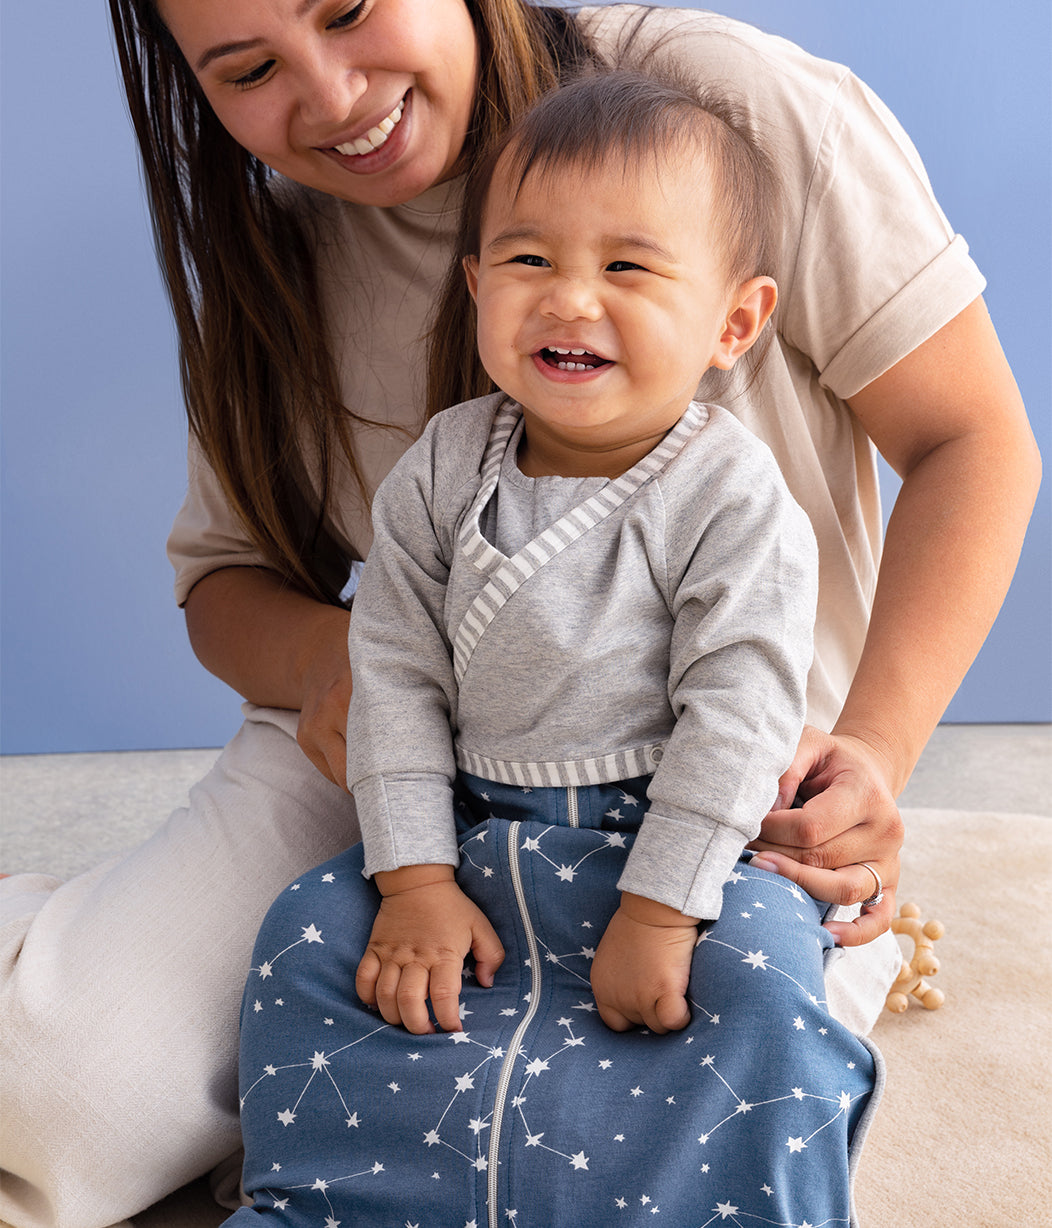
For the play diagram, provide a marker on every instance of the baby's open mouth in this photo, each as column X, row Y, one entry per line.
column 572, row 360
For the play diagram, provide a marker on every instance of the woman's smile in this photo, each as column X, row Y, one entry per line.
column 369, row 101
column 375, row 138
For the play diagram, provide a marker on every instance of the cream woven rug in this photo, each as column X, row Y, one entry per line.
column 964, row 1135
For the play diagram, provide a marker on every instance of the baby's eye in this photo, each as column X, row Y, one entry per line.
column 623, row 266
column 534, row 262
column 348, row 18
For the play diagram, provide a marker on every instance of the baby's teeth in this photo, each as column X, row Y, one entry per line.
column 572, row 366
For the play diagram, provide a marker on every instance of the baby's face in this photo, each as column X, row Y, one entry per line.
column 602, row 298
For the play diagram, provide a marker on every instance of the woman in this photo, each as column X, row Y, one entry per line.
column 295, row 303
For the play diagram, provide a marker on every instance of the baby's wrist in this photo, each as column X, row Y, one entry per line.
column 645, row 911
column 411, row 878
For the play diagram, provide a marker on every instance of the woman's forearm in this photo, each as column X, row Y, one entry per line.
column 954, row 536
column 264, row 639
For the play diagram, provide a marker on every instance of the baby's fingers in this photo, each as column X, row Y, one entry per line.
column 488, row 953
column 366, row 976
column 401, row 994
column 670, row 1014
column 446, row 976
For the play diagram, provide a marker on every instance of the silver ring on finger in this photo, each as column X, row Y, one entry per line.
column 877, row 895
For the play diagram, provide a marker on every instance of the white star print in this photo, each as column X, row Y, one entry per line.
column 798, row 1023
column 328, row 878
column 580, row 1160
column 795, row 1145
column 287, row 1117
column 566, row 873
column 724, row 1209
column 757, row 959
column 465, row 1083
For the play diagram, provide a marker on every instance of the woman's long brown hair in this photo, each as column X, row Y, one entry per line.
column 259, row 382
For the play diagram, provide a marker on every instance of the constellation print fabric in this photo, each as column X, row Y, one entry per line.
column 536, row 1111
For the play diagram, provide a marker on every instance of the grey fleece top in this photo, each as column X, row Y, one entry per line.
column 662, row 625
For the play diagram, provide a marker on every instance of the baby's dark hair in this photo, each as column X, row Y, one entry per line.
column 633, row 115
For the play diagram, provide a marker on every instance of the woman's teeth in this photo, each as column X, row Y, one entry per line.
column 375, row 137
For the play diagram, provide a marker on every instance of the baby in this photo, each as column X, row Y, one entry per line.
column 587, row 584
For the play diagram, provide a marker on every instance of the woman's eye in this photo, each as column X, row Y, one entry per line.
column 348, row 18
column 535, row 262
column 254, row 76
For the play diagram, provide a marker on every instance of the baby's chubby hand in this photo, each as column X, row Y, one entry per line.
column 642, row 966
column 425, row 927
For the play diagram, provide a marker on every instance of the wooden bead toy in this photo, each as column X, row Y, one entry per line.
column 910, row 981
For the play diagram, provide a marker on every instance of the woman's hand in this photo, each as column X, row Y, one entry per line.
column 322, row 728
column 278, row 648
column 848, row 821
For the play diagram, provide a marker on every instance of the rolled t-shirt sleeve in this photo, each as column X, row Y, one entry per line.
column 878, row 268
column 206, row 535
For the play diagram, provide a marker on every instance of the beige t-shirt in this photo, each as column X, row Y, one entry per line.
column 869, row 269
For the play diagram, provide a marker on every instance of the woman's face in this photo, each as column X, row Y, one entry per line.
column 367, row 100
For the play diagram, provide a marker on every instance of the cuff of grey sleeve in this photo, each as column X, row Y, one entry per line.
column 681, row 864
column 406, row 821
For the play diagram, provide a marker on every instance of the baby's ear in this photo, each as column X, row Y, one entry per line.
column 752, row 307
column 471, row 272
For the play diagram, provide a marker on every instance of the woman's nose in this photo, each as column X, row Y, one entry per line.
column 329, row 90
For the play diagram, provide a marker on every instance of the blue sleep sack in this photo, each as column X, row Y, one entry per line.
column 536, row 1115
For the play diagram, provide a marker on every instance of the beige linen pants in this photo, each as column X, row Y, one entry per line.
column 121, row 989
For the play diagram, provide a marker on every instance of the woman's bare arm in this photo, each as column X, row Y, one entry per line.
column 951, row 422
column 279, row 648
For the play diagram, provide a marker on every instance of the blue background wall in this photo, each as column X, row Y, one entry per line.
column 94, row 652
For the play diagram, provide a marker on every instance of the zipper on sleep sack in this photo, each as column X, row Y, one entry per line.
column 573, row 817
column 507, row 1069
